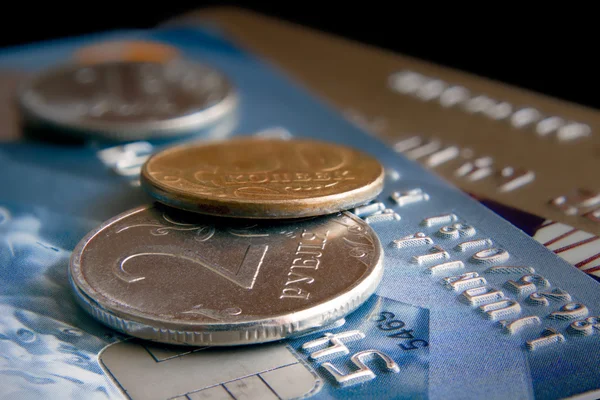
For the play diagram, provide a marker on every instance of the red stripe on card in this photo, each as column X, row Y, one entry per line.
column 589, row 271
column 581, row 243
column 587, row 261
column 559, row 237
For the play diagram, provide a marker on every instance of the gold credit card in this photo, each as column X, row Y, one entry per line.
column 522, row 149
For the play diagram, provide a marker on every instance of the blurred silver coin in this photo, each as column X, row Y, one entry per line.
column 127, row 100
column 170, row 276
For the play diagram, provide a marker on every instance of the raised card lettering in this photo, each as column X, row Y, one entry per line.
column 476, row 170
column 570, row 311
column 501, row 309
column 573, row 203
column 386, row 216
column 464, row 281
column 491, row 255
column 369, row 209
column 482, row 295
column 415, row 240
column 548, row 337
column 586, row 327
column 444, row 267
column 527, row 284
column 409, row 197
column 435, row 253
column 439, row 220
column 456, row 230
column 473, row 244
column 542, row 298
column 510, row 270
column 336, row 344
column 512, row 179
column 363, row 373
column 514, row 326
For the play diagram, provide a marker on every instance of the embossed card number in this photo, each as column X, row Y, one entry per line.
column 386, row 321
column 337, row 347
column 492, row 302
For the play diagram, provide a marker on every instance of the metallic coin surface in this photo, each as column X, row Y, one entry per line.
column 128, row 100
column 262, row 178
column 170, row 276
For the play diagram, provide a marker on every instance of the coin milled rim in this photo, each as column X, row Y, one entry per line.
column 271, row 328
column 168, row 127
column 263, row 208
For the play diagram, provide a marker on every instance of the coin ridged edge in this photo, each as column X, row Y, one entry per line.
column 295, row 323
column 256, row 335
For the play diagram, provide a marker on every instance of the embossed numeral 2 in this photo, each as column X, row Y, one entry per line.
column 245, row 276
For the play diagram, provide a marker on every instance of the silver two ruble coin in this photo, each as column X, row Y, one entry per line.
column 128, row 100
column 175, row 277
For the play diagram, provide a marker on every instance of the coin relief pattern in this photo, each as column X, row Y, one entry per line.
column 224, row 272
column 270, row 170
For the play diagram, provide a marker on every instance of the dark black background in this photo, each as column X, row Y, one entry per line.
column 544, row 49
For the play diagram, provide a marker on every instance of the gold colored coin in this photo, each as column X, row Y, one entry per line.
column 126, row 50
column 262, row 178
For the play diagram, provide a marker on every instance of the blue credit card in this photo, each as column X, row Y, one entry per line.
column 469, row 307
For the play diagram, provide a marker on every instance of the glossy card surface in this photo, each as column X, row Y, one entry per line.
column 469, row 306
